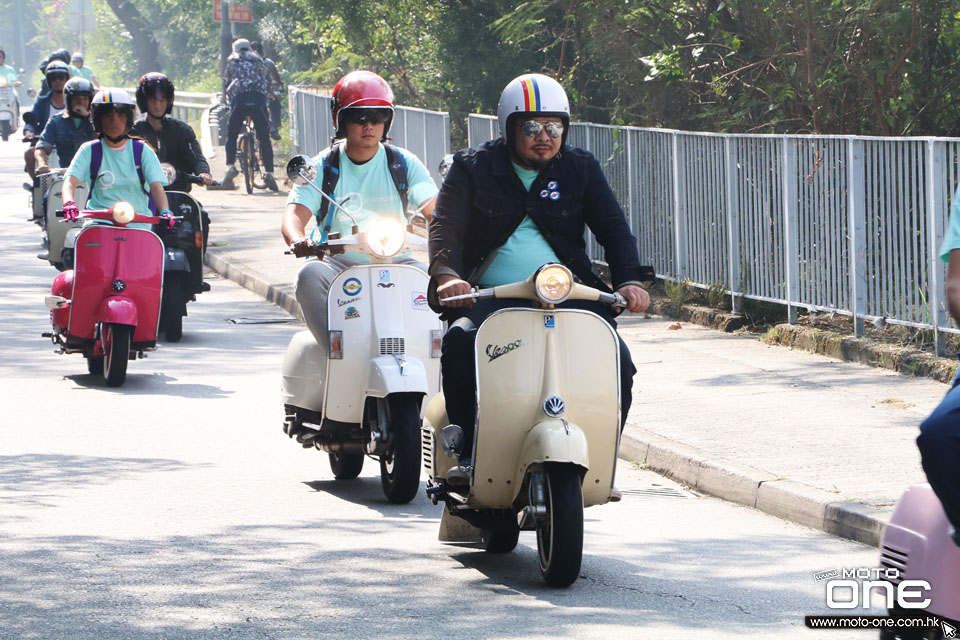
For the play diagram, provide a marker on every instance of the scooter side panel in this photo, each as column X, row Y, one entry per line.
column 512, row 383
column 378, row 308
column 104, row 254
column 304, row 366
column 57, row 228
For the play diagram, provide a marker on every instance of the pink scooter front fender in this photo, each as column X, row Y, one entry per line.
column 118, row 310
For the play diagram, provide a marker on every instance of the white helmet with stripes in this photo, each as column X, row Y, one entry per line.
column 532, row 93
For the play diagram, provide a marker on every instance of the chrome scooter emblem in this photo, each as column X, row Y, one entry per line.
column 554, row 406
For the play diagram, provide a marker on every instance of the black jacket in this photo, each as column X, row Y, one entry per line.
column 177, row 144
column 482, row 202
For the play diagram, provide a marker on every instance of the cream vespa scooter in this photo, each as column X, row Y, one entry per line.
column 548, row 425
column 365, row 396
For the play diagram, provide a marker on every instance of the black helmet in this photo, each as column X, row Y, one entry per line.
column 60, row 54
column 77, row 87
column 150, row 85
column 54, row 68
column 112, row 100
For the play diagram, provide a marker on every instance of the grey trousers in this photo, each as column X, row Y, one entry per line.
column 313, row 287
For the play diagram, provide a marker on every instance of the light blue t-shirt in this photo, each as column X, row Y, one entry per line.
column 951, row 239
column 525, row 251
column 85, row 72
column 117, row 179
column 367, row 191
column 9, row 74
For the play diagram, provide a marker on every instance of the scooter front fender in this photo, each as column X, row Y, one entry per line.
column 553, row 440
column 118, row 310
column 386, row 376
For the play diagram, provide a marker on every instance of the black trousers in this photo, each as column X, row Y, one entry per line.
column 273, row 104
column 458, row 362
column 255, row 106
column 939, row 444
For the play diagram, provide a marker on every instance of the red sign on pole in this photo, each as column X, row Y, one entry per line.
column 239, row 11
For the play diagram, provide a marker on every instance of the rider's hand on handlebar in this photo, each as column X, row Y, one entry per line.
column 637, row 297
column 449, row 286
column 207, row 179
column 70, row 210
column 303, row 247
column 28, row 135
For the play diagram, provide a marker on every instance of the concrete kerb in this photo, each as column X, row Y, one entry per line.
column 280, row 296
column 700, row 470
column 734, row 482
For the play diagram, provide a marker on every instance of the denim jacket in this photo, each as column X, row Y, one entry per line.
column 63, row 134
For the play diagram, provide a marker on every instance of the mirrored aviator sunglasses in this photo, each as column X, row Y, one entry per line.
column 532, row 128
column 363, row 116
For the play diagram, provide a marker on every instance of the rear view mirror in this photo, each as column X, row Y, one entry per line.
column 300, row 170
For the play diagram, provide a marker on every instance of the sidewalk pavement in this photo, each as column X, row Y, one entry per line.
column 820, row 442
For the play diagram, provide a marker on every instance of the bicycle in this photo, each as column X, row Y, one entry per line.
column 248, row 151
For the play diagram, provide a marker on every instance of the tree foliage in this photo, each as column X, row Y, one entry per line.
column 825, row 66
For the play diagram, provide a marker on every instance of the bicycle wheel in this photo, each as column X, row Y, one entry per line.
column 258, row 180
column 246, row 165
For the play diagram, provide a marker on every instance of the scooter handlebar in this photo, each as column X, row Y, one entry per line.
column 105, row 214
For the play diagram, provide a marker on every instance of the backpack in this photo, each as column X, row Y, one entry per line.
column 331, row 175
column 96, row 159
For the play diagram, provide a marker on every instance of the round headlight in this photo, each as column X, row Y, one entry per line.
column 385, row 237
column 123, row 213
column 553, row 283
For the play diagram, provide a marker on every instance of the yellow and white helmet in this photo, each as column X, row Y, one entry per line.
column 532, row 93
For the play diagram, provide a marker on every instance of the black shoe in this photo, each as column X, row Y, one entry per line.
column 271, row 183
column 274, row 134
column 204, row 286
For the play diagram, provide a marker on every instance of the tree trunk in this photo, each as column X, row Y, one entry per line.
column 144, row 45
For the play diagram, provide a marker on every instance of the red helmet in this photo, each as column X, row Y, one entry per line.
column 361, row 89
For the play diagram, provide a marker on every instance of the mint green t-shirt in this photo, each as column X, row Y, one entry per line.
column 9, row 74
column 525, row 251
column 85, row 72
column 117, row 179
column 367, row 191
column 951, row 239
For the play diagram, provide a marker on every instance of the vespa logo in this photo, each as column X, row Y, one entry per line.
column 554, row 406
column 385, row 285
column 494, row 351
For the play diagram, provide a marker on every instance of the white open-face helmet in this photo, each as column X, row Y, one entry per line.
column 532, row 93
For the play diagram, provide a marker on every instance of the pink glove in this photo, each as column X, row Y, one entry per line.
column 70, row 210
column 167, row 215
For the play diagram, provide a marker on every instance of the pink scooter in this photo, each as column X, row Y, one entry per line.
column 916, row 542
column 108, row 306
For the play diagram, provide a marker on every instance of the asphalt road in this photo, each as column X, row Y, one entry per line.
column 174, row 507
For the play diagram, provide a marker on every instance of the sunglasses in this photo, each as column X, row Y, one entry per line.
column 363, row 116
column 532, row 128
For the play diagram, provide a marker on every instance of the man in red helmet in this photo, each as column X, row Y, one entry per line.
column 370, row 178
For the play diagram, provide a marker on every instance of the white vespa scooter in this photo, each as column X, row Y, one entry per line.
column 59, row 235
column 365, row 396
column 548, row 425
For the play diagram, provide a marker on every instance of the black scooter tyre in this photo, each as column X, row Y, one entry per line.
column 400, row 469
column 560, row 533
column 346, row 466
column 117, row 348
column 95, row 365
column 499, row 540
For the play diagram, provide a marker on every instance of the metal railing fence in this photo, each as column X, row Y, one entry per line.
column 424, row 133
column 829, row 223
